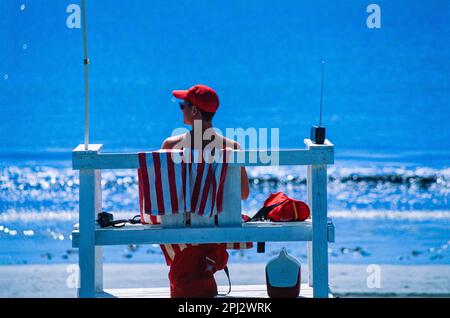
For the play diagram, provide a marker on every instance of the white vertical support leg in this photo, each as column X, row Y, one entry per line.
column 98, row 249
column 90, row 256
column 232, row 204
column 318, row 248
column 317, row 199
column 309, row 243
column 202, row 221
column 173, row 221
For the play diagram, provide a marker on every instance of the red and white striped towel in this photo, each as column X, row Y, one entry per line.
column 166, row 188
column 169, row 188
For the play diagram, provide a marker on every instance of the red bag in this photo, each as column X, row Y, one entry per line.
column 279, row 207
column 191, row 274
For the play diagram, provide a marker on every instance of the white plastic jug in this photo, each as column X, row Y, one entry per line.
column 283, row 276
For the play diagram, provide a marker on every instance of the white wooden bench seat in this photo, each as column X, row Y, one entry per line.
column 317, row 231
column 248, row 232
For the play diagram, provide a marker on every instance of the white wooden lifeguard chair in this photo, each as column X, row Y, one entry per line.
column 317, row 231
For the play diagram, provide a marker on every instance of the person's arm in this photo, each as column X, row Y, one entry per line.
column 171, row 142
column 245, row 190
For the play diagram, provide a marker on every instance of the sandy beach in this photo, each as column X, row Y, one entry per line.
column 345, row 280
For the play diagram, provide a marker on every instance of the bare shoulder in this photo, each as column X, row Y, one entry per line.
column 230, row 143
column 173, row 142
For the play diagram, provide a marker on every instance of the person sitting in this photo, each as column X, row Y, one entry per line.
column 192, row 268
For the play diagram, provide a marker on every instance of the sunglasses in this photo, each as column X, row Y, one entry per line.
column 184, row 104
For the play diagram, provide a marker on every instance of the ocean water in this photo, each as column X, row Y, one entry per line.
column 386, row 109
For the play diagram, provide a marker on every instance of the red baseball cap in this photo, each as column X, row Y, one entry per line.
column 200, row 95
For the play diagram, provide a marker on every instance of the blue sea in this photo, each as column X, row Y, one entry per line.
column 386, row 109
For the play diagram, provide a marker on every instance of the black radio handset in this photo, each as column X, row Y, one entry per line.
column 318, row 132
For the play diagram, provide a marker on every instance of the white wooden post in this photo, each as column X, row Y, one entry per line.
column 90, row 256
column 318, row 248
column 232, row 204
column 202, row 221
column 173, row 221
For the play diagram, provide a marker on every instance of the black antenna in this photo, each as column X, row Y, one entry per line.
column 318, row 132
column 321, row 94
